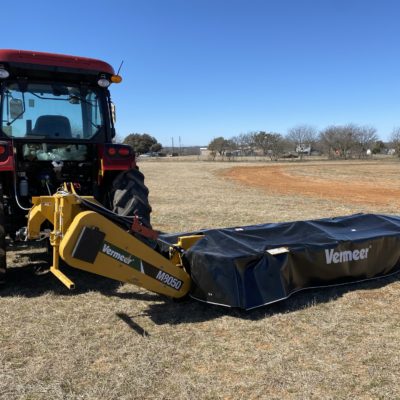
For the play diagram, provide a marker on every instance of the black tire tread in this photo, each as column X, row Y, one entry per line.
column 130, row 196
column 3, row 258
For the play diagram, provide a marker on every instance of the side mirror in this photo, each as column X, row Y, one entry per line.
column 16, row 109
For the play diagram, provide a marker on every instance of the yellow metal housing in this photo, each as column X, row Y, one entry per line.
column 116, row 254
column 123, row 257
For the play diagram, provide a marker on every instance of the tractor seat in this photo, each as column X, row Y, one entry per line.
column 53, row 126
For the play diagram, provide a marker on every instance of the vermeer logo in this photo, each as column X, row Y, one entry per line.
column 120, row 255
column 336, row 257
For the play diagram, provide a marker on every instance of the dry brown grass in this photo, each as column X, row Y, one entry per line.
column 111, row 341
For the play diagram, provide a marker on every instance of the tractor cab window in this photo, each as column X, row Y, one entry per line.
column 50, row 111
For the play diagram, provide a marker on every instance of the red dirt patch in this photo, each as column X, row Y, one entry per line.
column 366, row 188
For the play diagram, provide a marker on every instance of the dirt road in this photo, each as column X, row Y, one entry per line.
column 328, row 181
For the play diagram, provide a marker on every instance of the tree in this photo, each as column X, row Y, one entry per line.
column 302, row 137
column 277, row 146
column 219, row 145
column 395, row 140
column 245, row 143
column 156, row 147
column 231, row 148
column 270, row 143
column 379, row 147
column 142, row 143
column 365, row 137
column 262, row 140
column 345, row 140
column 339, row 140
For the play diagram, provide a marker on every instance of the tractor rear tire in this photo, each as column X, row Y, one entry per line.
column 130, row 196
column 3, row 259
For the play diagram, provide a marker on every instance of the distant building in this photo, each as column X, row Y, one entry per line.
column 204, row 151
column 303, row 149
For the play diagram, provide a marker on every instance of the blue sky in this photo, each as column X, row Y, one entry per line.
column 198, row 69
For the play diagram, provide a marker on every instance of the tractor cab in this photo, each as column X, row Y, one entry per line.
column 57, row 125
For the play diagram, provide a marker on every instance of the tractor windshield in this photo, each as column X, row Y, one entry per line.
column 50, row 110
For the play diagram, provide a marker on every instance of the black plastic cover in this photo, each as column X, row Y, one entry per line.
column 88, row 244
column 250, row 266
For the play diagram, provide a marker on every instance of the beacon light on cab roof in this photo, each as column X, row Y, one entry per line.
column 116, row 79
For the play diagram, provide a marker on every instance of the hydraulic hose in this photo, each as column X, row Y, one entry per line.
column 16, row 195
column 119, row 219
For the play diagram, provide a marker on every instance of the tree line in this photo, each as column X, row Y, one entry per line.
column 142, row 143
column 336, row 141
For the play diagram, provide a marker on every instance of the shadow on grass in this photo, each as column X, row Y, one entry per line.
column 32, row 279
column 132, row 324
column 191, row 311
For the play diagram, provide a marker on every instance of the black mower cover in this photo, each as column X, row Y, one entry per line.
column 250, row 266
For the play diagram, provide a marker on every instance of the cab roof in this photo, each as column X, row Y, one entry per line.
column 56, row 60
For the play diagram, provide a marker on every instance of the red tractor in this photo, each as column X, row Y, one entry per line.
column 57, row 125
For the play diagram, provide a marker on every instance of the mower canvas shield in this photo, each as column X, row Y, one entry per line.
column 251, row 266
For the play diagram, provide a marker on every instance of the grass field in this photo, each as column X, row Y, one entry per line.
column 112, row 341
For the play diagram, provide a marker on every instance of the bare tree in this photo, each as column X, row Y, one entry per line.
column 277, row 146
column 231, row 148
column 302, row 136
column 339, row 140
column 243, row 143
column 395, row 140
column 365, row 137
